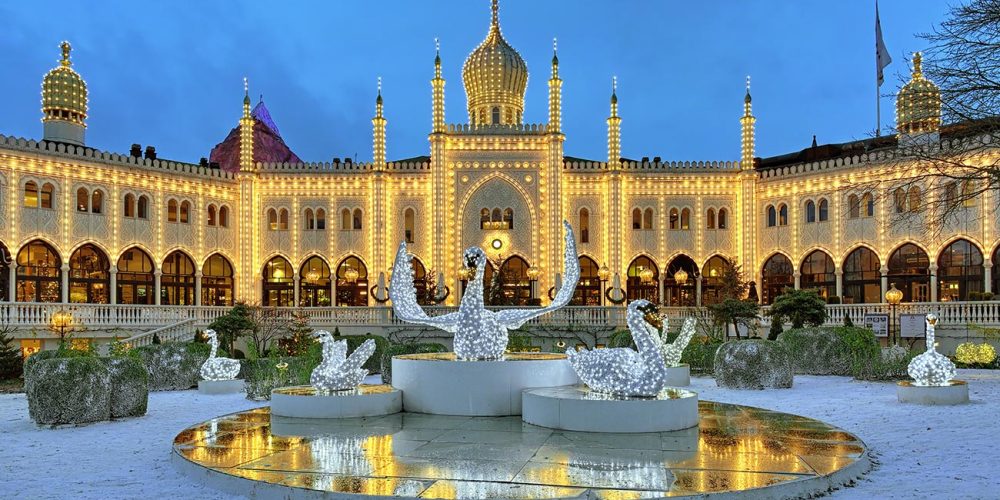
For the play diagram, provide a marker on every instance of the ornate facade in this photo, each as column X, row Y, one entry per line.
column 255, row 223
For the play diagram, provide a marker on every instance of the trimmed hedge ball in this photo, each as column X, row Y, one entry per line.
column 129, row 386
column 69, row 391
column 816, row 351
column 753, row 364
column 174, row 365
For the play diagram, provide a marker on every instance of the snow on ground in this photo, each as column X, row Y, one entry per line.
column 925, row 452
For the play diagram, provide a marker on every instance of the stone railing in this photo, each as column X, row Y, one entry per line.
column 181, row 331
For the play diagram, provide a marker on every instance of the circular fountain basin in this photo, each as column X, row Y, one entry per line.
column 220, row 386
column 955, row 393
column 305, row 401
column 577, row 408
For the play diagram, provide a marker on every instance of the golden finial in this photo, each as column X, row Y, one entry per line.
column 614, row 84
column 66, row 48
column 555, row 49
column 747, row 98
column 917, row 65
column 555, row 45
column 246, row 95
column 380, row 85
column 496, row 14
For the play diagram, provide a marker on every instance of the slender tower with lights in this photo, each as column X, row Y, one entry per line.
column 614, row 188
column 380, row 201
column 439, row 174
column 746, row 205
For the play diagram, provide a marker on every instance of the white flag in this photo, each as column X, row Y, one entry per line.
column 882, row 58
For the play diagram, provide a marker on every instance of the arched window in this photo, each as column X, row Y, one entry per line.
column 97, row 202
column 31, row 195
column 310, row 221
column 916, row 203
column 217, row 282
column 272, row 219
column 211, row 215
column 177, row 280
column 352, row 287
column 283, row 220
column 782, row 215
column 899, row 200
column 968, row 193
column 48, row 195
column 345, row 219
column 89, row 279
column 135, row 282
column 172, row 210
column 516, row 285
column 675, row 292
column 685, row 219
column 588, row 289
column 508, row 217
column 496, row 116
column 5, row 262
column 320, row 219
column 960, row 271
column 675, row 219
column 636, row 218
column 647, row 219
column 710, row 219
column 869, row 204
column 314, row 283
column 862, row 277
column 39, row 273
column 82, row 200
column 224, row 216
column 424, row 296
column 810, row 211
column 909, row 271
column 279, row 282
column 584, row 225
column 824, row 210
column 484, row 218
column 129, row 205
column 711, row 280
column 817, row 273
column 853, row 206
column 497, row 215
column 185, row 212
column 641, row 284
column 142, row 207
column 357, row 219
column 777, row 276
column 409, row 223
column 772, row 216
column 723, row 218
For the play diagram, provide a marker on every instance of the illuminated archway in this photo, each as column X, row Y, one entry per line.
column 960, row 271
column 640, row 284
column 89, row 279
column 314, row 283
column 278, row 284
column 352, row 282
column 777, row 276
column 217, row 281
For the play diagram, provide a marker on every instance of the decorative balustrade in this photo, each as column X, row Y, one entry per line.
column 183, row 330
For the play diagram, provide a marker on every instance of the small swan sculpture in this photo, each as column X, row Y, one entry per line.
column 931, row 368
column 338, row 371
column 479, row 333
column 623, row 372
column 215, row 368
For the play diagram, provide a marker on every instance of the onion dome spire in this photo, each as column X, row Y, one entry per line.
column 918, row 105
column 64, row 101
column 495, row 78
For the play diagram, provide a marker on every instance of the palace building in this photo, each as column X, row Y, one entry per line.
column 252, row 222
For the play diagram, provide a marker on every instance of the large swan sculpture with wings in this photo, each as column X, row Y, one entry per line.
column 479, row 334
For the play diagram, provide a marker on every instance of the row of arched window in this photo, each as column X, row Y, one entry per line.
column 777, row 216
column 860, row 206
column 680, row 219
column 645, row 280
column 38, row 198
column 133, row 207
column 89, row 202
column 313, row 220
column 496, row 219
column 817, row 211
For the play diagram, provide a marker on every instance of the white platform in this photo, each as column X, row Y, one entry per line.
column 956, row 393
column 576, row 408
column 439, row 384
column 366, row 401
column 679, row 376
column 220, row 386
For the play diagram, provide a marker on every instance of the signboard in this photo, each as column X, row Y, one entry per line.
column 878, row 323
column 912, row 326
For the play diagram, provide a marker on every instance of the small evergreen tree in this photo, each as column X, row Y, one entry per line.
column 233, row 324
column 735, row 312
column 300, row 335
column 11, row 362
column 799, row 307
column 848, row 322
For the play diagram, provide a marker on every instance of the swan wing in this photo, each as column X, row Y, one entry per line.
column 361, row 354
column 404, row 296
column 513, row 319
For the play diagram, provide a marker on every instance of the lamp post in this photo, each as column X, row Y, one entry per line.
column 603, row 274
column 680, row 279
column 61, row 321
column 893, row 296
column 532, row 273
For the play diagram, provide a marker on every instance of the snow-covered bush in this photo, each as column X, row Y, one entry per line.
column 753, row 364
column 700, row 354
column 68, row 390
column 129, row 386
column 174, row 365
column 816, row 351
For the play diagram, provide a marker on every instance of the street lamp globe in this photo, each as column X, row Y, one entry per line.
column 604, row 273
column 646, row 275
column 893, row 296
column 681, row 276
column 351, row 275
column 533, row 273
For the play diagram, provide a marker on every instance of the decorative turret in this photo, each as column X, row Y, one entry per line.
column 747, row 122
column 918, row 105
column 555, row 94
column 246, row 131
column 378, row 132
column 64, row 102
column 614, row 129
column 495, row 79
column 437, row 86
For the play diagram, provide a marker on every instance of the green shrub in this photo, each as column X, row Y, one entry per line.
column 753, row 364
column 775, row 330
column 129, row 386
column 518, row 342
column 11, row 363
column 848, row 322
column 263, row 374
column 816, row 351
column 401, row 349
column 173, row 365
column 72, row 390
column 621, row 338
column 867, row 360
column 374, row 364
column 700, row 354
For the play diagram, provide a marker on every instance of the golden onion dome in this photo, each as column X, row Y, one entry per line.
column 495, row 78
column 64, row 93
column 918, row 105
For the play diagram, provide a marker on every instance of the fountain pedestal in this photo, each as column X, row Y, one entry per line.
column 955, row 393
column 220, row 386
column 577, row 408
column 305, row 401
column 439, row 384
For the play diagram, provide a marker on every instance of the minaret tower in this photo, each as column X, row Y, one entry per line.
column 555, row 94
column 64, row 102
column 439, row 177
column 437, row 86
column 614, row 130
column 378, row 133
column 246, row 131
column 747, row 137
column 249, row 204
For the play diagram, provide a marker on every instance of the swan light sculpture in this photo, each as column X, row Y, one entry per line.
column 338, row 371
column 479, row 334
column 931, row 368
column 215, row 368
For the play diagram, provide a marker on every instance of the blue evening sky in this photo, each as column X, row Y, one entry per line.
column 170, row 73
